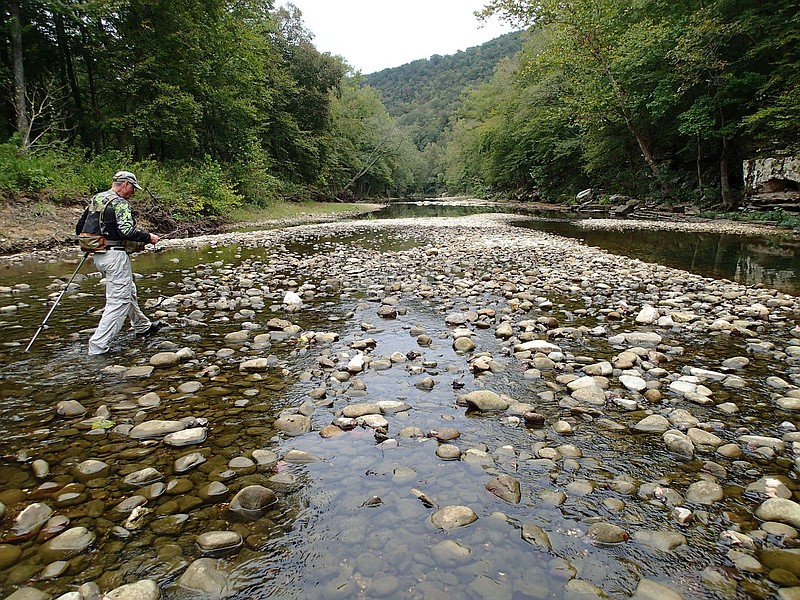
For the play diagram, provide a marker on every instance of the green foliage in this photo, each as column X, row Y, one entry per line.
column 775, row 216
column 19, row 172
column 424, row 94
column 156, row 86
column 366, row 152
column 644, row 98
column 209, row 193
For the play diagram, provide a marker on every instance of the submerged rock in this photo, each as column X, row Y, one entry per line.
column 506, row 488
column 206, row 575
column 251, row 503
column 451, row 517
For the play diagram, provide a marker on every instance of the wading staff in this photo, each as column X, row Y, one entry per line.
column 52, row 308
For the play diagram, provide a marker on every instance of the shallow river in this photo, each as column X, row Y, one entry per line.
column 769, row 260
column 353, row 512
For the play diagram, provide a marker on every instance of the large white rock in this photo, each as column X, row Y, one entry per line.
column 647, row 315
column 292, row 298
column 781, row 510
column 536, row 346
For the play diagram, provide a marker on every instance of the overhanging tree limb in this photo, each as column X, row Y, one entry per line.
column 373, row 158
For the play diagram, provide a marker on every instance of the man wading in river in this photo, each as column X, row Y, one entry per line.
column 108, row 218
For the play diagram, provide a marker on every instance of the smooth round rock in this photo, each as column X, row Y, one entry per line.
column 28, row 593
column 251, row 502
column 144, row 589
column 165, row 359
column 155, row 429
column 142, row 477
column 189, row 462
column 485, row 401
column 187, row 437
column 450, row 553
column 506, row 488
column 71, row 543
column 451, row 517
column 70, row 409
column 293, row 425
column 9, row 555
column 781, row 510
column 91, row 469
column 606, row 533
column 704, row 492
column 213, row 491
column 212, row 541
column 206, row 575
column 652, row 424
column 448, row 452
column 31, row 519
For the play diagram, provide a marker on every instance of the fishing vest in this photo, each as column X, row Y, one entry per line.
column 93, row 237
column 96, row 220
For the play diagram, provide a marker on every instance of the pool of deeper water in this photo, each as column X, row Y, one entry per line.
column 769, row 260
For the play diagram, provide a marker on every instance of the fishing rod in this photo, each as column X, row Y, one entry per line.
column 52, row 308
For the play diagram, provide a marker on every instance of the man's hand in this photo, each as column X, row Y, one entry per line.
column 154, row 238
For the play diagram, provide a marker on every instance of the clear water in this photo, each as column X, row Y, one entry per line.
column 770, row 260
column 329, row 537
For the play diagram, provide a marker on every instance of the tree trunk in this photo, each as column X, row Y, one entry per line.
column 66, row 61
column 666, row 189
column 88, row 60
column 728, row 201
column 377, row 153
column 700, row 184
column 122, row 141
column 23, row 126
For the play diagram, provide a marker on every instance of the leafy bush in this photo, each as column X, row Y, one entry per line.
column 209, row 192
column 22, row 172
column 775, row 216
column 254, row 181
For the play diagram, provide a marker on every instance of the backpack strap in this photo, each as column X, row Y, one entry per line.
column 101, row 219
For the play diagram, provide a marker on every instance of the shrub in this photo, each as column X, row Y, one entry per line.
column 21, row 171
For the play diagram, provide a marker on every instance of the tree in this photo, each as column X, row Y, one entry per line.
column 20, row 105
column 588, row 38
column 368, row 153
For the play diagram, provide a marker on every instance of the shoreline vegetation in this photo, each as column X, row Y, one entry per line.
column 612, row 99
column 30, row 226
column 38, row 229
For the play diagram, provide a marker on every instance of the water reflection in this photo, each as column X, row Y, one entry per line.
column 772, row 261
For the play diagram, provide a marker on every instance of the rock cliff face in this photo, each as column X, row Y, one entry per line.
column 773, row 181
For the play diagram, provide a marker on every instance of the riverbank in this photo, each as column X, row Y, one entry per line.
column 420, row 408
column 37, row 229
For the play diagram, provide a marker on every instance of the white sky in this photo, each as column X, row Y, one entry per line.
column 376, row 34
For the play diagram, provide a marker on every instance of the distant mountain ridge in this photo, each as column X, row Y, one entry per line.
column 423, row 94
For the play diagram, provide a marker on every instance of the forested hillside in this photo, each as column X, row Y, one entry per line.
column 644, row 98
column 226, row 101
column 219, row 102
column 424, row 94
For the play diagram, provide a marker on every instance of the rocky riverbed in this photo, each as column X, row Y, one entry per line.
column 421, row 408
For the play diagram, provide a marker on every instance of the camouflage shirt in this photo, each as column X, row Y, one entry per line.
column 115, row 224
